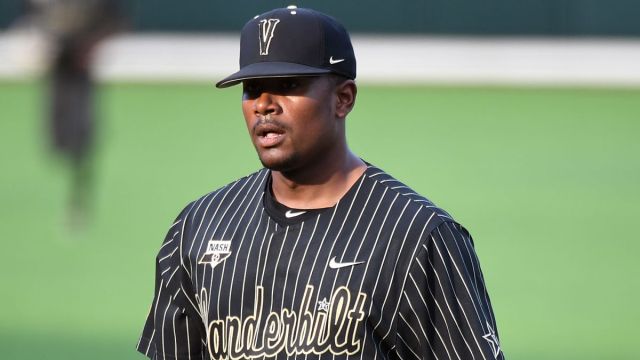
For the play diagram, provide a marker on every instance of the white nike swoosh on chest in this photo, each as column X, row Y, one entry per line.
column 337, row 265
column 289, row 214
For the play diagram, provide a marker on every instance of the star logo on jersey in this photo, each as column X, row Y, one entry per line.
column 217, row 252
column 323, row 305
column 493, row 341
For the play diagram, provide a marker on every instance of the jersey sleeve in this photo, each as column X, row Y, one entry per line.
column 445, row 311
column 174, row 328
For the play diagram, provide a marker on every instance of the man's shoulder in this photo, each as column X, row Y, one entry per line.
column 242, row 191
column 415, row 201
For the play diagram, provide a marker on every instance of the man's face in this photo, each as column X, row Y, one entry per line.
column 292, row 120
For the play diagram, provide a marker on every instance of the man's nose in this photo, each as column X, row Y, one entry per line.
column 266, row 104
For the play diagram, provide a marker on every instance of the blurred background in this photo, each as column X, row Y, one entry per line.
column 521, row 118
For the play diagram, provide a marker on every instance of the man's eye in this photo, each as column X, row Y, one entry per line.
column 250, row 89
column 289, row 84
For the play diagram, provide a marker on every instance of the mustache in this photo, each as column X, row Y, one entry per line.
column 269, row 121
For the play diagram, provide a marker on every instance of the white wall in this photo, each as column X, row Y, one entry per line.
column 386, row 59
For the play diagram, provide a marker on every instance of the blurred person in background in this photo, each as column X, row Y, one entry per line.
column 74, row 28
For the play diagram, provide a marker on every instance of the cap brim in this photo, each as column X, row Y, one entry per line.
column 270, row 69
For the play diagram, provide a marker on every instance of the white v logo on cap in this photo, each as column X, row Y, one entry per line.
column 267, row 28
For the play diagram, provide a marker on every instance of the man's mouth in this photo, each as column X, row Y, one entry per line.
column 268, row 134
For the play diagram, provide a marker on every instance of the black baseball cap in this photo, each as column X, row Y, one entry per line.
column 293, row 42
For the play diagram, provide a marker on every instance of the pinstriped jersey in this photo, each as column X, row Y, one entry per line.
column 383, row 274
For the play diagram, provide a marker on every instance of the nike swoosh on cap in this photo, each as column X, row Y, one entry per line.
column 337, row 265
column 335, row 61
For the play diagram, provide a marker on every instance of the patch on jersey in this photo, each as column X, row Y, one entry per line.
column 493, row 341
column 217, row 252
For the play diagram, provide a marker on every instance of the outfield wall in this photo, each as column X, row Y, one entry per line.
column 435, row 17
column 381, row 59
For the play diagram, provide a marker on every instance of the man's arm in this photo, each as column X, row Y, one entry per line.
column 445, row 311
column 174, row 328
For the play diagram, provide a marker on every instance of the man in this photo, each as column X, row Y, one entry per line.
column 76, row 28
column 319, row 255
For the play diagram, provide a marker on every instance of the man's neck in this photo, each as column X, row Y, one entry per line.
column 320, row 187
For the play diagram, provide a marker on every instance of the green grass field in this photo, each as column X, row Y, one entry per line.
column 546, row 180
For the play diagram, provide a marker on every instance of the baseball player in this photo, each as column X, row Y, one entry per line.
column 75, row 28
column 319, row 254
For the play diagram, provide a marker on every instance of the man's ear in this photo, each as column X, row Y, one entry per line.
column 346, row 92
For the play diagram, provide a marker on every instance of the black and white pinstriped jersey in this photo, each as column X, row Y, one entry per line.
column 383, row 274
